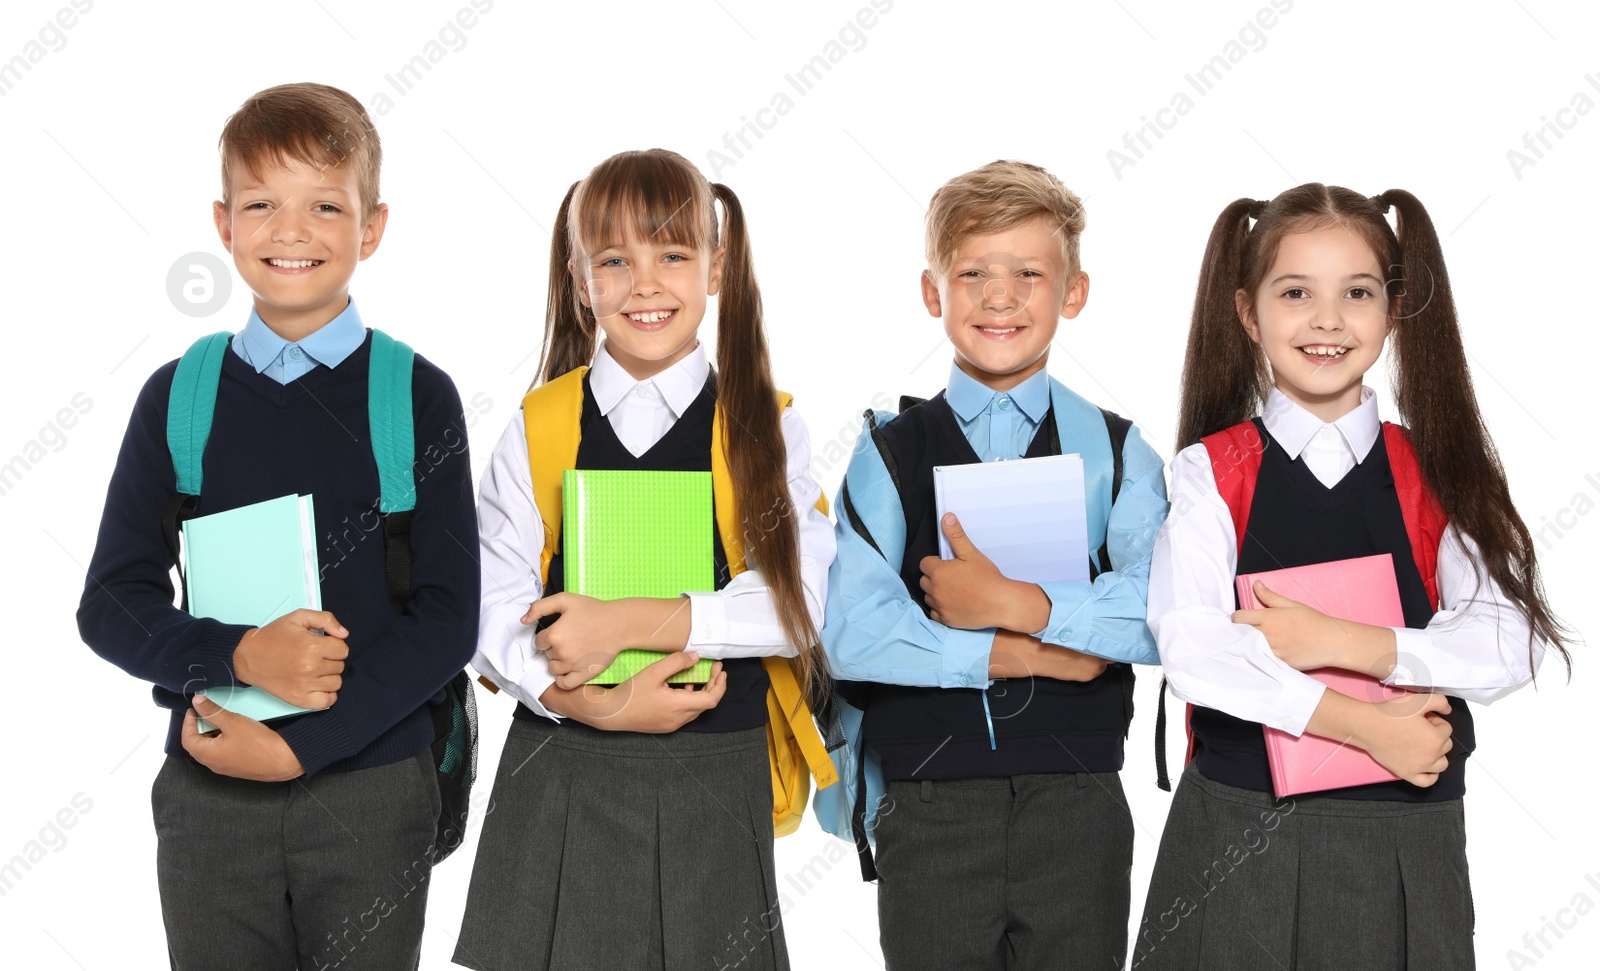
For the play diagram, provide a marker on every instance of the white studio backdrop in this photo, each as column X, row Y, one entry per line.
column 834, row 122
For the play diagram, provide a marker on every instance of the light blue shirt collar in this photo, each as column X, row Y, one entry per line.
column 968, row 397
column 328, row 345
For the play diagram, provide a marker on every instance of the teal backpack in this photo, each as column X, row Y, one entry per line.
column 190, row 408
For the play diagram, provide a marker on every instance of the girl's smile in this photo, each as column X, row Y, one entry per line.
column 1321, row 316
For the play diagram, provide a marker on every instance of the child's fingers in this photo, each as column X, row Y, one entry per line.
column 714, row 689
column 960, row 545
column 544, row 607
column 657, row 672
column 322, row 620
column 1252, row 617
column 191, row 731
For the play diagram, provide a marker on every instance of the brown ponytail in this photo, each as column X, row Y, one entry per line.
column 570, row 331
column 1225, row 375
column 1433, row 391
column 660, row 194
column 1224, row 371
column 757, row 458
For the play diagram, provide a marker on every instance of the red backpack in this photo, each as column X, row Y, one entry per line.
column 1235, row 455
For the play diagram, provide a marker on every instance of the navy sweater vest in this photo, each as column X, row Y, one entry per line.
column 1294, row 521
column 686, row 447
column 1040, row 724
column 308, row 437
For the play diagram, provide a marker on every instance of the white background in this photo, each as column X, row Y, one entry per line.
column 109, row 164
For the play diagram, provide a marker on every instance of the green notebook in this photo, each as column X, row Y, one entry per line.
column 252, row 565
column 638, row 533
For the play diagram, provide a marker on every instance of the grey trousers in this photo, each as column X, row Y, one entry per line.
column 1009, row 874
column 323, row 873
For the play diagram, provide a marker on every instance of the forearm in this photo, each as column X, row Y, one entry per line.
column 874, row 631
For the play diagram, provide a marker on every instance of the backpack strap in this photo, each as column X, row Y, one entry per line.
column 190, row 406
column 1117, row 430
column 1235, row 455
column 1424, row 517
column 390, row 421
column 552, row 416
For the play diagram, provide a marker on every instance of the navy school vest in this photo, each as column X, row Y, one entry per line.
column 1039, row 724
column 1295, row 521
column 686, row 447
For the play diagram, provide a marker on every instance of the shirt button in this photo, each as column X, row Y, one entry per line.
column 1287, row 725
column 965, row 679
column 1326, row 432
column 294, row 352
column 1005, row 403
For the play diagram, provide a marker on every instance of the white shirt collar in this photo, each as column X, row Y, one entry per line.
column 1293, row 427
column 678, row 385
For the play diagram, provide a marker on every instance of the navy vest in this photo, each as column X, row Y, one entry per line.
column 686, row 447
column 1040, row 724
column 1294, row 521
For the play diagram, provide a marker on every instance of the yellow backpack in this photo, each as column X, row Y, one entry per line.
column 551, row 416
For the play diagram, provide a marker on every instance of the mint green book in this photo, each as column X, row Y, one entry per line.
column 252, row 565
column 638, row 533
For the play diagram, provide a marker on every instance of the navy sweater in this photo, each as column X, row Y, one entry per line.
column 309, row 437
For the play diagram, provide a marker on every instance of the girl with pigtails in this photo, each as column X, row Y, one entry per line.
column 1296, row 299
column 632, row 826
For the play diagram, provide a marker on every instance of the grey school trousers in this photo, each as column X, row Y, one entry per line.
column 1009, row 874
column 324, row 873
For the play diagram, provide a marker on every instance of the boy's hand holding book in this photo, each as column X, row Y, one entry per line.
column 969, row 592
column 299, row 658
column 242, row 747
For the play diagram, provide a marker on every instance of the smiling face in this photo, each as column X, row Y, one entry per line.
column 296, row 233
column 648, row 296
column 1001, row 300
column 1321, row 316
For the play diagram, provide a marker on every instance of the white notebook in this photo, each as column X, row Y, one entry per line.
column 1027, row 515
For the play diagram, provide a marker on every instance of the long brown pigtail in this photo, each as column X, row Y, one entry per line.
column 757, row 457
column 570, row 331
column 1434, row 393
column 1225, row 376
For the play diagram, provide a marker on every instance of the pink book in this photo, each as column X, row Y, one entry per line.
column 1362, row 590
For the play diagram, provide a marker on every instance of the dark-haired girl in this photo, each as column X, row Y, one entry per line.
column 1296, row 299
column 631, row 827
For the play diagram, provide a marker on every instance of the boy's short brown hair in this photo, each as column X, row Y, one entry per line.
column 310, row 123
column 995, row 198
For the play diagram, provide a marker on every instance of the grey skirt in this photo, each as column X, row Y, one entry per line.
column 1307, row 883
column 624, row 850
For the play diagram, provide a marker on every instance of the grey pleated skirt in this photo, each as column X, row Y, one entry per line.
column 624, row 850
column 1307, row 883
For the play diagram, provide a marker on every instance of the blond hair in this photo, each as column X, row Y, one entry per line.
column 995, row 198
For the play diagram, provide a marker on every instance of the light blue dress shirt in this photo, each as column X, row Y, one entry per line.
column 285, row 361
column 999, row 424
column 874, row 630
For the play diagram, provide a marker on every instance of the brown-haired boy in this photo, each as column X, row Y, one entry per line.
column 994, row 709
column 307, row 842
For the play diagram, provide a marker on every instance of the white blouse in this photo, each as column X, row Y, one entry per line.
column 1475, row 647
column 739, row 620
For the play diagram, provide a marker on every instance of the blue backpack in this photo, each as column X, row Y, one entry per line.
column 190, row 408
